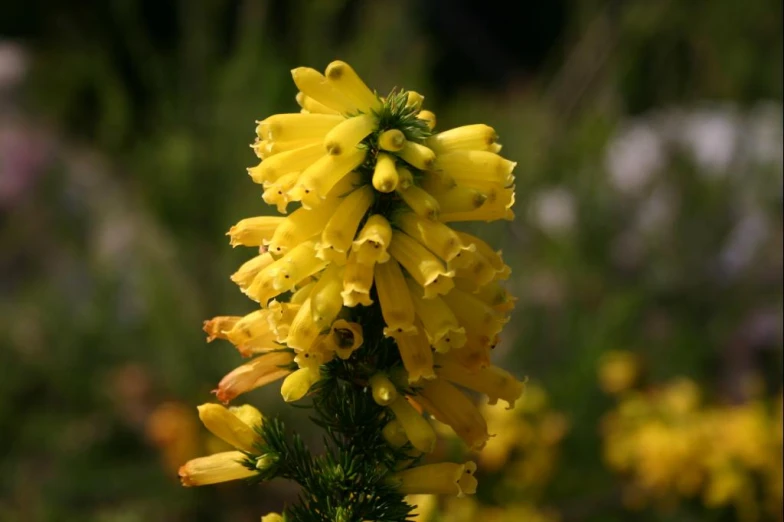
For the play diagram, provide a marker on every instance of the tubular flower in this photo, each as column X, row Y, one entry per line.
column 444, row 478
column 236, row 426
column 254, row 374
column 364, row 281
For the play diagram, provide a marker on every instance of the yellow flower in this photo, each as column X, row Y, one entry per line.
column 373, row 240
column 617, row 371
column 357, row 282
column 245, row 274
column 416, row 354
column 469, row 137
column 298, row 383
column 385, row 175
column 397, row 307
column 236, row 427
column 217, row 327
column 220, row 467
column 441, row 326
column 438, row 238
column 444, row 478
column 225, row 424
column 452, row 407
column 376, row 191
column 340, row 230
column 252, row 334
column 384, row 392
column 344, row 337
column 272, row 517
column 474, row 315
column 417, row 429
column 255, row 231
column 394, row 434
column 421, row 264
column 492, row 381
column 262, row 370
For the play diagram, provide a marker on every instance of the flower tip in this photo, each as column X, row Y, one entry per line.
column 335, row 69
column 184, row 476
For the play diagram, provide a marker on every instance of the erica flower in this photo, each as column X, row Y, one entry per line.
column 366, row 251
column 236, row 426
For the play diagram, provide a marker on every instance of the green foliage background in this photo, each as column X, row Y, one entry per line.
column 123, row 144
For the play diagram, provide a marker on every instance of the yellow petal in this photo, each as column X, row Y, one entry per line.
column 301, row 225
column 244, row 275
column 220, row 467
column 416, row 354
column 469, row 137
column 273, row 167
column 297, row 385
column 417, row 429
column 444, row 478
column 248, row 414
column 345, row 137
column 346, row 81
column 252, row 334
column 228, row 427
column 311, row 105
column 303, row 331
column 341, row 228
column 452, row 407
column 460, row 199
column 277, row 193
column 285, row 273
column 385, row 176
column 493, row 381
column 498, row 206
column 397, row 308
column 344, row 337
column 494, row 258
column 218, row 327
column 417, row 155
column 357, row 282
column 419, row 200
column 429, row 118
column 438, row 238
column 316, row 181
column 254, row 231
column 314, row 85
column 473, row 314
column 391, row 140
column 384, row 392
column 414, row 99
column 441, row 326
column 394, row 434
column 421, row 264
column 285, row 127
column 326, row 300
column 477, row 168
column 475, row 353
column 262, row 370
column 373, row 240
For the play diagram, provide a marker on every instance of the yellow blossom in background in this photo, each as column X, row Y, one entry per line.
column 670, row 445
column 172, row 428
column 618, row 371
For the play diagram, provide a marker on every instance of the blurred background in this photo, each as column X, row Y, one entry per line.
column 647, row 249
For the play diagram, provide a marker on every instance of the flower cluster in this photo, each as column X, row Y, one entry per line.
column 364, row 271
column 669, row 445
